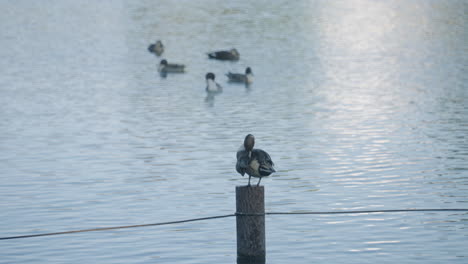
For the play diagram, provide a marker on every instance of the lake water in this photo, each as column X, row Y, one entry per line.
column 363, row 105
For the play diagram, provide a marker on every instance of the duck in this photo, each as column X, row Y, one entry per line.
column 255, row 162
column 232, row 54
column 246, row 78
column 157, row 48
column 165, row 67
column 211, row 85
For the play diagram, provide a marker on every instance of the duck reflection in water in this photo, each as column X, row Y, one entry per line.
column 209, row 99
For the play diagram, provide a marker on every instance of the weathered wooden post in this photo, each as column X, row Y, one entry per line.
column 250, row 220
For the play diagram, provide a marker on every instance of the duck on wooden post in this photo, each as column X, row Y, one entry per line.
column 157, row 48
column 255, row 162
column 246, row 78
column 232, row 55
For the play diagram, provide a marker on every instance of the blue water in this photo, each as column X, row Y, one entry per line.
column 363, row 105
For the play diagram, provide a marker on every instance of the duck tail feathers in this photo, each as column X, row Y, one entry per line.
column 265, row 171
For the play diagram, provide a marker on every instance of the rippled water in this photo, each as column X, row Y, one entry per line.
column 361, row 104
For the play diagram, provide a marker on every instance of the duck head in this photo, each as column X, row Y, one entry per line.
column 249, row 142
column 210, row 76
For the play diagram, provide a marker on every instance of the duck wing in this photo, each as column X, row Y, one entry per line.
column 236, row 77
column 172, row 67
column 242, row 161
column 266, row 165
column 222, row 55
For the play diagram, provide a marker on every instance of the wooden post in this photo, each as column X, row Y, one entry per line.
column 250, row 228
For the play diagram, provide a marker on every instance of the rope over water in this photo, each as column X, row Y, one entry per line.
column 117, row 227
column 235, row 214
column 357, row 212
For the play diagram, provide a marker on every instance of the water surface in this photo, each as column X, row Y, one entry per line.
column 362, row 105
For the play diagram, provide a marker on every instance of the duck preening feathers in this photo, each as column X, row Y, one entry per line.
column 157, row 48
column 255, row 162
column 211, row 85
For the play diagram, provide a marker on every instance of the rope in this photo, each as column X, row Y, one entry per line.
column 356, row 212
column 117, row 227
column 236, row 214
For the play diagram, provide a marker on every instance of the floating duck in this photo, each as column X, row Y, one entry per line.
column 157, row 48
column 255, row 162
column 232, row 54
column 211, row 85
column 246, row 78
column 165, row 67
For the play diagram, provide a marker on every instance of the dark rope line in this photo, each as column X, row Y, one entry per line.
column 117, row 227
column 237, row 214
column 357, row 212
column 373, row 211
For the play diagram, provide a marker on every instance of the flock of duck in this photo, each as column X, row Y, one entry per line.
column 253, row 162
column 211, row 86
